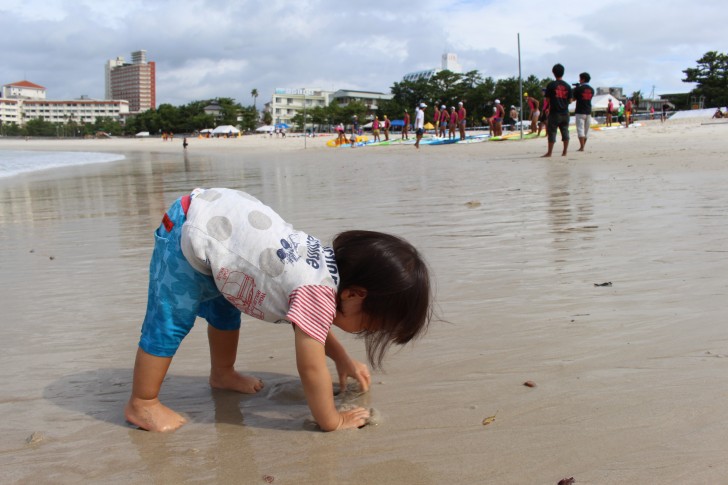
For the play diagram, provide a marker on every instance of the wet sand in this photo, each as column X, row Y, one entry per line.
column 630, row 378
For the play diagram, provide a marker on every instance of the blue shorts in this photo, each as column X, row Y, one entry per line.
column 178, row 294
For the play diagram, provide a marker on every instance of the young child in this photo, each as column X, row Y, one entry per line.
column 220, row 251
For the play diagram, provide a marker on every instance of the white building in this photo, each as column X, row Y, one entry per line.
column 286, row 103
column 369, row 99
column 24, row 101
column 78, row 110
column 449, row 62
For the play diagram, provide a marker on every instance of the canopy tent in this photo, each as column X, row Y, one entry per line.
column 225, row 129
column 206, row 130
column 265, row 128
column 281, row 126
column 397, row 122
column 142, row 134
column 429, row 126
column 599, row 103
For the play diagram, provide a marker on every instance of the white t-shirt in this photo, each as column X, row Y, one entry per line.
column 420, row 119
column 259, row 262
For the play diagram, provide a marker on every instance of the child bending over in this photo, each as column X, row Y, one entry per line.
column 220, row 252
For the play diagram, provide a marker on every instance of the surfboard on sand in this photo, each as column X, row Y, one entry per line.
column 335, row 142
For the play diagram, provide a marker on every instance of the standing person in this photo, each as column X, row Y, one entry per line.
column 533, row 111
column 610, row 110
column 436, row 120
column 444, row 118
column 462, row 115
column 420, row 124
column 499, row 112
column 583, row 95
column 453, row 124
column 620, row 113
column 513, row 115
column 559, row 94
column 652, row 112
column 355, row 125
column 387, row 125
column 405, row 128
column 220, row 252
column 375, row 129
column 341, row 139
column 663, row 116
column 544, row 116
column 627, row 113
column 184, row 143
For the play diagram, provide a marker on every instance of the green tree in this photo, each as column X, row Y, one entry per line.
column 107, row 125
column 636, row 98
column 40, row 127
column 249, row 118
column 254, row 94
column 267, row 118
column 711, row 76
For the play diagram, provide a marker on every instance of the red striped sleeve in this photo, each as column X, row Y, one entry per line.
column 312, row 309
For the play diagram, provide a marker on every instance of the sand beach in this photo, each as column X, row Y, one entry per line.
column 629, row 378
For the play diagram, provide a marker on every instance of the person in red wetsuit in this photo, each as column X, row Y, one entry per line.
column 444, row 119
column 453, row 124
column 405, row 128
column 533, row 111
column 462, row 114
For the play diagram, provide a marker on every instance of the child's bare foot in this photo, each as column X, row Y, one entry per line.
column 152, row 415
column 234, row 381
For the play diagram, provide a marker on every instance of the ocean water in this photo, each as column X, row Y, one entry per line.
column 14, row 162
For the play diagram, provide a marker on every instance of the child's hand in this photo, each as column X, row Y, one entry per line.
column 355, row 369
column 353, row 418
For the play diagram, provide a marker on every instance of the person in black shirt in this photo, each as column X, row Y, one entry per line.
column 583, row 95
column 559, row 94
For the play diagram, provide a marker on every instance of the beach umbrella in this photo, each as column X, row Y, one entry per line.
column 429, row 126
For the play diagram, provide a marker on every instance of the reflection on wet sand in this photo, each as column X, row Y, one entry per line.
column 516, row 244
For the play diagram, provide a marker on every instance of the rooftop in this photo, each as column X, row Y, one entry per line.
column 25, row 84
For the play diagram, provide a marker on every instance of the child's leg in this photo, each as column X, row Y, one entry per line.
column 144, row 409
column 223, row 352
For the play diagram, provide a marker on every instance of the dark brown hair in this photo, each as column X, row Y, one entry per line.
column 397, row 281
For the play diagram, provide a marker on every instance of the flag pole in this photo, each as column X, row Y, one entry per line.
column 520, row 85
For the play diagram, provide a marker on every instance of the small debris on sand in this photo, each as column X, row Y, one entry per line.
column 608, row 283
column 35, row 437
column 489, row 419
column 472, row 204
column 529, row 384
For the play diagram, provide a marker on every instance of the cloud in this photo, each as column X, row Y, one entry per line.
column 206, row 49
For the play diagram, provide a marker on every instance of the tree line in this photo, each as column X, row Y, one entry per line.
column 447, row 88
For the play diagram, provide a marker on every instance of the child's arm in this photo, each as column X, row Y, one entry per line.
column 311, row 363
column 345, row 365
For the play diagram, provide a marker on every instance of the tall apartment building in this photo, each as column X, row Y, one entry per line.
column 135, row 82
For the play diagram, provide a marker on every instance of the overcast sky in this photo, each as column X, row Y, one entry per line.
column 224, row 48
